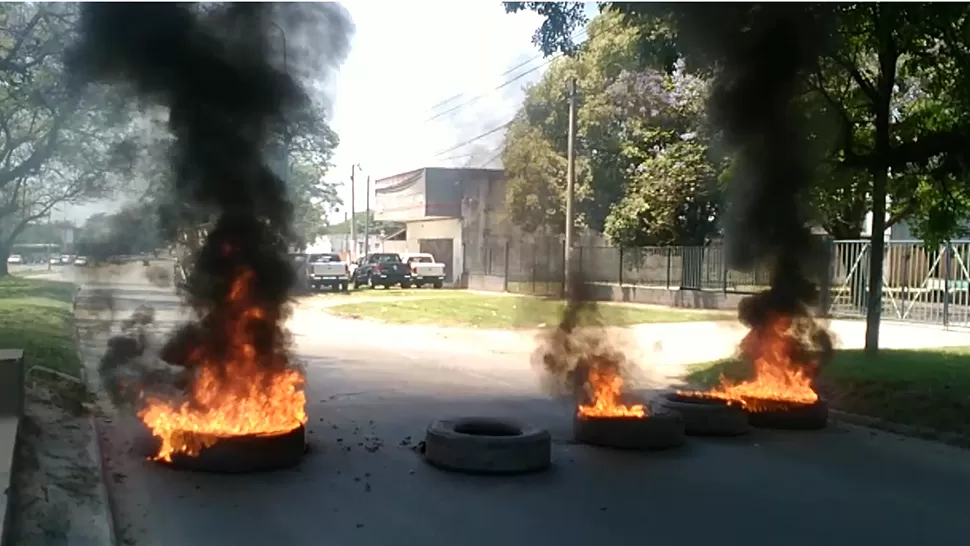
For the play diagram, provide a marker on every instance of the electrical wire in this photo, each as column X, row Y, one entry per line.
column 504, row 84
column 479, row 137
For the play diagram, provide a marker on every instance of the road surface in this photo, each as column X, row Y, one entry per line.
column 371, row 399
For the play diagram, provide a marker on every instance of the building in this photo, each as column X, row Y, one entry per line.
column 448, row 212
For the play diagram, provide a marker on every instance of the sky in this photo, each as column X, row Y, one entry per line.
column 412, row 61
column 407, row 59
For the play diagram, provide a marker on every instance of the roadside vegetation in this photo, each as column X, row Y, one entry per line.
column 455, row 308
column 927, row 388
column 36, row 316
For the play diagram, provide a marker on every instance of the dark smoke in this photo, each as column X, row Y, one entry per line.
column 217, row 69
column 763, row 52
column 580, row 342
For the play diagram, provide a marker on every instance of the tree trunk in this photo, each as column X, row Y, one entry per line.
column 4, row 255
column 880, row 173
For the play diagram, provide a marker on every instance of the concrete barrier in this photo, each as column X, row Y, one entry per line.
column 11, row 411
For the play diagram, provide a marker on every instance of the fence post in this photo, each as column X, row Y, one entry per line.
column 825, row 280
column 565, row 274
column 724, row 270
column 619, row 269
column 534, row 249
column 505, row 282
column 946, row 286
column 670, row 252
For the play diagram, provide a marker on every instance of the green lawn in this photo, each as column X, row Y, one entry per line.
column 36, row 315
column 927, row 388
column 481, row 311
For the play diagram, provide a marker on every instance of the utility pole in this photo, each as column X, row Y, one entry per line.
column 353, row 214
column 570, row 185
column 367, row 218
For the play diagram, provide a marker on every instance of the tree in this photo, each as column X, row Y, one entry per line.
column 891, row 80
column 56, row 145
column 636, row 126
column 360, row 221
column 313, row 199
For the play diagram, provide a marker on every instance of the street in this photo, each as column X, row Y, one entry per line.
column 370, row 400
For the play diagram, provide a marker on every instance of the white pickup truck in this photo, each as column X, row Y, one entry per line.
column 424, row 269
column 327, row 271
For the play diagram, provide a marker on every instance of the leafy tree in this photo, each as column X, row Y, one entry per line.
column 360, row 219
column 627, row 118
column 56, row 145
column 891, row 80
column 313, row 199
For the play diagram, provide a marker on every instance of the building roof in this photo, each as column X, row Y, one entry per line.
column 402, row 180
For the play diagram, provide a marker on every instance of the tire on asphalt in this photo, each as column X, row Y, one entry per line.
column 662, row 429
column 243, row 454
column 481, row 445
column 707, row 416
column 790, row 416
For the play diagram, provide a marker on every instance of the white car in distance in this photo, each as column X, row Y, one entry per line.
column 424, row 269
column 15, row 259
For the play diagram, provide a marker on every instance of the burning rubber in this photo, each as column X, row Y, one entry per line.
column 243, row 454
column 478, row 445
column 704, row 416
column 659, row 430
column 783, row 415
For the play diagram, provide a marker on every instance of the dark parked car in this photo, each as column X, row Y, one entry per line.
column 382, row 269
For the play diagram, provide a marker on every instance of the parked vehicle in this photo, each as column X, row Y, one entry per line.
column 424, row 269
column 81, row 261
column 54, row 260
column 15, row 259
column 382, row 269
column 327, row 271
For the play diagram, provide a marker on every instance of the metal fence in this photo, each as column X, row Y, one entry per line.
column 920, row 284
column 930, row 286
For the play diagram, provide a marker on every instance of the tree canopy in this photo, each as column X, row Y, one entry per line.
column 884, row 102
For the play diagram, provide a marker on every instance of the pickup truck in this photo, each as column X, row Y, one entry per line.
column 382, row 269
column 327, row 271
column 424, row 269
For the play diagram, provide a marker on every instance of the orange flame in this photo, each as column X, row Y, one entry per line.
column 605, row 388
column 778, row 377
column 242, row 393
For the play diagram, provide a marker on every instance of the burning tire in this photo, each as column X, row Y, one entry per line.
column 487, row 446
column 245, row 454
column 658, row 431
column 707, row 416
column 787, row 415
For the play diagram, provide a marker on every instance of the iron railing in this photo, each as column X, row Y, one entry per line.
column 920, row 284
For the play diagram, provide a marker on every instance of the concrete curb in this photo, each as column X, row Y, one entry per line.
column 107, row 524
column 949, row 438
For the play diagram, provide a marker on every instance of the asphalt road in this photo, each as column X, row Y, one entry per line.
column 362, row 485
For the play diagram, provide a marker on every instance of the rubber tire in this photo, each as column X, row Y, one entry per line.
column 530, row 450
column 370, row 282
column 245, row 454
column 405, row 285
column 707, row 416
column 792, row 417
column 343, row 287
column 438, row 284
column 661, row 430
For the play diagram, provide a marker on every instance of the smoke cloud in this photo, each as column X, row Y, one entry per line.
column 218, row 70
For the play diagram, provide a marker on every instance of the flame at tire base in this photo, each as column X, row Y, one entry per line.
column 242, row 385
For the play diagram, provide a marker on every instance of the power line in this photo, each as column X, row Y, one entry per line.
column 506, row 73
column 479, row 137
column 519, row 76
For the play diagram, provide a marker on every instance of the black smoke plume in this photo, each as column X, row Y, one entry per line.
column 762, row 54
column 216, row 69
